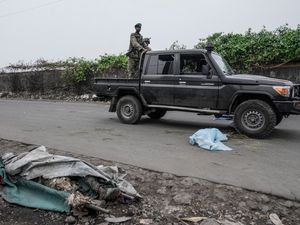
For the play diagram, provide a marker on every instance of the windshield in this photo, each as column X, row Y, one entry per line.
column 225, row 67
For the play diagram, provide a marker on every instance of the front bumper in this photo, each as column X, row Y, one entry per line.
column 288, row 107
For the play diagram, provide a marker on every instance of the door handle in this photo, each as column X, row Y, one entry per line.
column 182, row 82
column 147, row 81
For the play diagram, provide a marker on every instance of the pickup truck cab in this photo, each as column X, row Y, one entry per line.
column 200, row 81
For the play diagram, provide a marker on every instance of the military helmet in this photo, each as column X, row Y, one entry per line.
column 138, row 25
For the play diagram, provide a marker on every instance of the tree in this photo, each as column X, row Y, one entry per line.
column 251, row 50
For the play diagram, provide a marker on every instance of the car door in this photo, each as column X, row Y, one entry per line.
column 158, row 79
column 193, row 88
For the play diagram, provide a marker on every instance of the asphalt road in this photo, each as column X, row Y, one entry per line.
column 271, row 165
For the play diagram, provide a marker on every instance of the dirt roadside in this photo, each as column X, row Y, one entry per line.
column 166, row 198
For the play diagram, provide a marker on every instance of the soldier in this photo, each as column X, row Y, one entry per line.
column 136, row 47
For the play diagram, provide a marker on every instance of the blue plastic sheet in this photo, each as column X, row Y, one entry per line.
column 28, row 193
column 210, row 139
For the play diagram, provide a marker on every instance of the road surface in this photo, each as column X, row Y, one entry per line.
column 271, row 165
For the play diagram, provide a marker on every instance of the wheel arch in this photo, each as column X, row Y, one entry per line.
column 123, row 92
column 244, row 96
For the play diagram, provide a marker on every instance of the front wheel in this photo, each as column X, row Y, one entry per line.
column 129, row 109
column 255, row 118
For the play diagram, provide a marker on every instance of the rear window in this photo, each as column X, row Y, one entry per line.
column 160, row 64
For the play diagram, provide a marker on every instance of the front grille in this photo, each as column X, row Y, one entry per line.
column 296, row 91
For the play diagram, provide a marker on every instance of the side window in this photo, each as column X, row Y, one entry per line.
column 192, row 64
column 152, row 65
column 165, row 64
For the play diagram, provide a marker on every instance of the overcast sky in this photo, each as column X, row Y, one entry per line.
column 88, row 28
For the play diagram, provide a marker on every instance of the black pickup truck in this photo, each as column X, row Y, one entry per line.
column 200, row 81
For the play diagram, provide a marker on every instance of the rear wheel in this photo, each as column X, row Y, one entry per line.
column 255, row 118
column 129, row 109
column 157, row 114
column 279, row 118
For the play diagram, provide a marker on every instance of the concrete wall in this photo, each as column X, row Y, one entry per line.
column 43, row 81
column 37, row 81
column 288, row 72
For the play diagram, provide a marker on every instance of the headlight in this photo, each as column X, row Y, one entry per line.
column 283, row 90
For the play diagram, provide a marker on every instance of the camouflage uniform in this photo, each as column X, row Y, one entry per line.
column 136, row 47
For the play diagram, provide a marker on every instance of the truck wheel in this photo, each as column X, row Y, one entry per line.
column 279, row 118
column 129, row 109
column 255, row 118
column 157, row 114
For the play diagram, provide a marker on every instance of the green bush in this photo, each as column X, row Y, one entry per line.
column 110, row 64
column 80, row 70
column 77, row 70
column 253, row 50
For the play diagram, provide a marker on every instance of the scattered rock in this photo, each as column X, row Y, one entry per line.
column 169, row 209
column 264, row 199
column 275, row 219
column 194, row 219
column 252, row 205
column 85, row 97
column 146, row 221
column 167, row 176
column 265, row 209
column 288, row 204
column 162, row 191
column 242, row 205
column 3, row 94
column 183, row 199
column 227, row 222
column 70, row 220
column 190, row 181
column 220, row 194
column 94, row 97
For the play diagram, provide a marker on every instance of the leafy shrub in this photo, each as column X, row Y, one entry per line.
column 110, row 64
column 80, row 70
column 77, row 70
column 249, row 51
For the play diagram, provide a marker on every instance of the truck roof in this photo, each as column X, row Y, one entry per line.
column 182, row 51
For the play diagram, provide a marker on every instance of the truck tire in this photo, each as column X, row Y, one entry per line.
column 255, row 118
column 279, row 118
column 157, row 114
column 129, row 109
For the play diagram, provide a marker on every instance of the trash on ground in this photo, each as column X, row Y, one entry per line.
column 210, row 139
column 193, row 219
column 275, row 219
column 146, row 221
column 117, row 219
column 38, row 179
column 227, row 222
